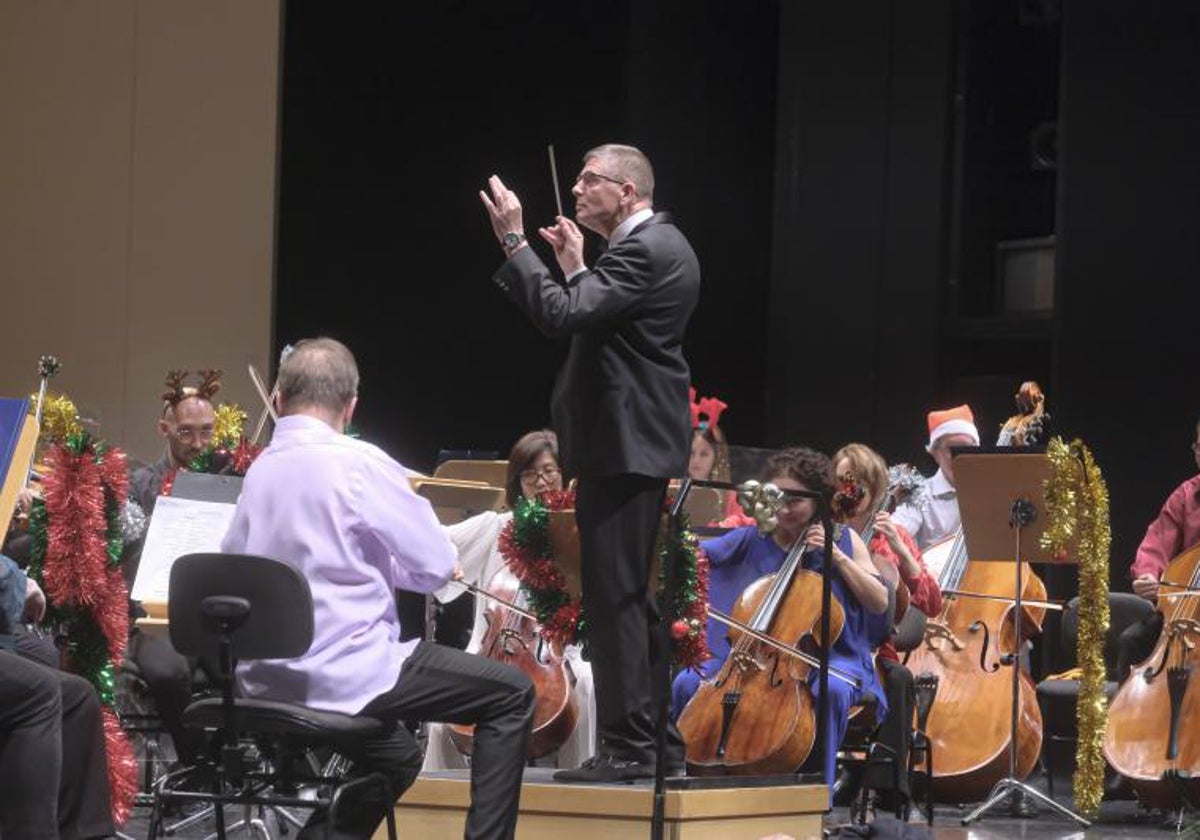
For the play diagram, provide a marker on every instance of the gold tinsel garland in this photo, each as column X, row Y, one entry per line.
column 1077, row 504
column 60, row 419
column 227, row 428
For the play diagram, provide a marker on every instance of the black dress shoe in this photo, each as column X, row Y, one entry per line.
column 606, row 769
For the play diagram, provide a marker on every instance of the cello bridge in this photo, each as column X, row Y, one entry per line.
column 1184, row 629
column 510, row 641
column 745, row 661
column 939, row 630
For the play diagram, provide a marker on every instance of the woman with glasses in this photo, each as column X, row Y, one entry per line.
column 533, row 468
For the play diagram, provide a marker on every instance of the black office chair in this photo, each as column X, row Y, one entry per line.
column 230, row 607
column 1058, row 698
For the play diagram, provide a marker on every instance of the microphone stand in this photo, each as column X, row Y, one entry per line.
column 664, row 678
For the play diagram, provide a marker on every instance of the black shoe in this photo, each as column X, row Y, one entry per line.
column 607, row 769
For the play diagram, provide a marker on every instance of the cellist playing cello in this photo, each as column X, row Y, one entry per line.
column 743, row 555
column 1176, row 528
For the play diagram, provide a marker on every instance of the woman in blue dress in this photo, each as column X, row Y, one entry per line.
column 741, row 556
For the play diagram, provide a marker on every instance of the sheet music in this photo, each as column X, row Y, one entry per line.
column 177, row 527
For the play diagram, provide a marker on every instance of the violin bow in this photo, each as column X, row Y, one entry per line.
column 472, row 588
column 1048, row 605
column 268, row 401
column 730, row 621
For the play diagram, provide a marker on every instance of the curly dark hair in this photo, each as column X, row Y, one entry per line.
column 811, row 468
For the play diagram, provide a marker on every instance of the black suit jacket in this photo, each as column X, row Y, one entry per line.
column 620, row 404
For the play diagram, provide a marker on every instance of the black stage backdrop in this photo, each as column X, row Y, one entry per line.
column 395, row 114
column 844, row 171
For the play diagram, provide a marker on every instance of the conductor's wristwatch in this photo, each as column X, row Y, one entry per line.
column 512, row 241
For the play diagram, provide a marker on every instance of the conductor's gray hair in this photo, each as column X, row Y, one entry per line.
column 319, row 372
column 628, row 164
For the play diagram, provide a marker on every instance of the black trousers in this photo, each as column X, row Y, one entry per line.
column 53, row 766
column 896, row 728
column 168, row 675
column 618, row 518
column 446, row 685
column 1136, row 643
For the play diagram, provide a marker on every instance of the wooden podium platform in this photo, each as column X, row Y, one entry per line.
column 436, row 807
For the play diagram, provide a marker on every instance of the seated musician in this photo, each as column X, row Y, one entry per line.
column 889, row 544
column 1174, row 530
column 343, row 513
column 53, row 764
column 741, row 556
column 186, row 425
column 709, row 458
column 937, row 517
column 533, row 468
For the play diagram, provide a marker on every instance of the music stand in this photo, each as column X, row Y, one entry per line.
column 1000, row 494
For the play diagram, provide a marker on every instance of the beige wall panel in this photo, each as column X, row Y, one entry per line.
column 137, row 188
column 204, row 185
column 66, row 106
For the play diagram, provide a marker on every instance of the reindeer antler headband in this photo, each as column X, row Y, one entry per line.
column 177, row 391
column 706, row 411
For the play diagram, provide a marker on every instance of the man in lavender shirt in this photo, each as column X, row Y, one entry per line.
column 342, row 512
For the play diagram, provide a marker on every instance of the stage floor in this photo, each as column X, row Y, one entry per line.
column 1117, row 819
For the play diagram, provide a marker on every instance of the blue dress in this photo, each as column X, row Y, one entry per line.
column 742, row 556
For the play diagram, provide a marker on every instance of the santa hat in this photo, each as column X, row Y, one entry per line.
column 952, row 421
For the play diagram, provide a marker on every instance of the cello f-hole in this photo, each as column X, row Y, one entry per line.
column 975, row 627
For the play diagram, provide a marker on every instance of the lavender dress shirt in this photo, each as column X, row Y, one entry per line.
column 343, row 513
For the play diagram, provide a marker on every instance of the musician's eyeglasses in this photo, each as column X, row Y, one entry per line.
column 546, row 474
column 203, row 434
column 590, row 179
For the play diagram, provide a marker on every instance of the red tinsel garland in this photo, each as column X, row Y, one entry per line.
column 76, row 546
column 112, row 613
column 122, row 767
column 77, row 573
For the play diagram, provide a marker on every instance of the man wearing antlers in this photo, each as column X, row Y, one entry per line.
column 186, row 423
column 620, row 408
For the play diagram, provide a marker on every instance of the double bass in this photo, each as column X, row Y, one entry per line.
column 1145, row 740
column 969, row 646
column 756, row 716
column 512, row 638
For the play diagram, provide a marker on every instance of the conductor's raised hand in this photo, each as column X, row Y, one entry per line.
column 567, row 241
column 504, row 208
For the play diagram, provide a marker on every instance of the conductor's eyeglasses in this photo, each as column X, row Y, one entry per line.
column 590, row 179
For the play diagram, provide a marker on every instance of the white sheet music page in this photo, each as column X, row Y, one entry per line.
column 177, row 527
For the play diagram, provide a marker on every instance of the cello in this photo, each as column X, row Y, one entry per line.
column 1144, row 740
column 756, row 716
column 512, row 638
column 967, row 646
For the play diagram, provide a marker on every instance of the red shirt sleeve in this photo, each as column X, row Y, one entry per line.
column 923, row 590
column 1164, row 538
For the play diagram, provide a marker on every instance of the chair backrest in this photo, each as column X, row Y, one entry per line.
column 1124, row 609
column 280, row 624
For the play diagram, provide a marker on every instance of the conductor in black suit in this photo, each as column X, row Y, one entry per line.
column 620, row 408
